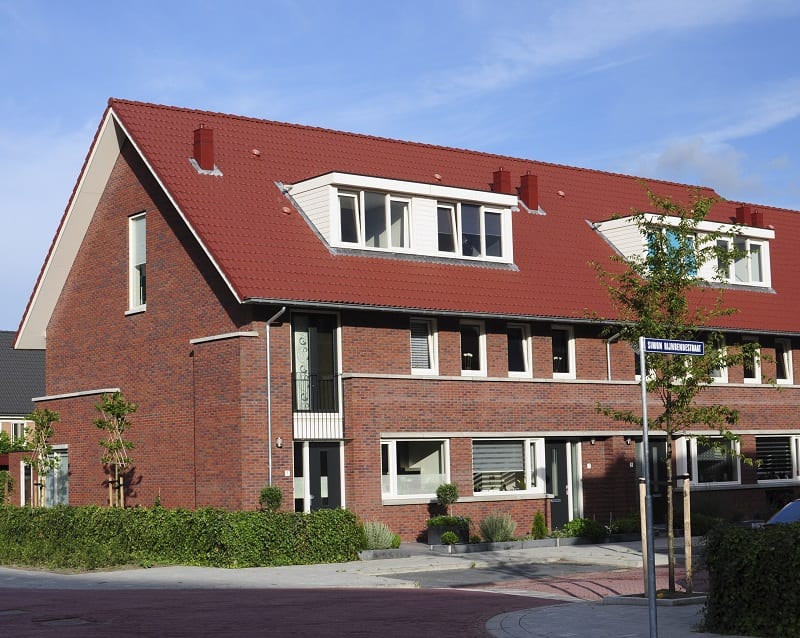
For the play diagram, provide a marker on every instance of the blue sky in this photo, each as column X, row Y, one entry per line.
column 701, row 92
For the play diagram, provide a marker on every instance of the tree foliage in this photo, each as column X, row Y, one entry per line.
column 114, row 410
column 41, row 457
column 665, row 293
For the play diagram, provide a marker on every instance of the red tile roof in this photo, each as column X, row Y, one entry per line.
column 267, row 254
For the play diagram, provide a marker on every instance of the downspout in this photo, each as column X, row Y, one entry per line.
column 270, row 321
column 609, row 341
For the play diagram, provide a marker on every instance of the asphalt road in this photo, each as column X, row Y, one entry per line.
column 322, row 613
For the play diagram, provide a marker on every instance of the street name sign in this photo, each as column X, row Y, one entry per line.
column 673, row 346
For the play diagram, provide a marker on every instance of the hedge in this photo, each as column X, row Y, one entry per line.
column 94, row 537
column 754, row 581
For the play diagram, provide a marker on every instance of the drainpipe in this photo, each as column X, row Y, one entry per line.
column 609, row 341
column 270, row 321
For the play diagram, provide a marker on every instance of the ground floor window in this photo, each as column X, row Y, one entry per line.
column 508, row 465
column 777, row 457
column 413, row 468
column 712, row 461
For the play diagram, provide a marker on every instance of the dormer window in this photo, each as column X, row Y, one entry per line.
column 380, row 214
column 747, row 247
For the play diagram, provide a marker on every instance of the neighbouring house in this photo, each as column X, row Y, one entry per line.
column 357, row 320
column 21, row 379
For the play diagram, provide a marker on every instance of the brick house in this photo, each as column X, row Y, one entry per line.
column 357, row 320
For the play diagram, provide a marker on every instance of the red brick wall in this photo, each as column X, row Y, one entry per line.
column 201, row 432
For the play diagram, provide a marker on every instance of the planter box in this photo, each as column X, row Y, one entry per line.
column 435, row 534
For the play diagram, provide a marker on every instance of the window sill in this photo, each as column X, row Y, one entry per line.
column 135, row 311
column 502, row 496
column 408, row 500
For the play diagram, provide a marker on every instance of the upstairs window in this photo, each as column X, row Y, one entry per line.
column 138, row 262
column 473, row 348
column 374, row 220
column 744, row 263
column 563, row 353
column 752, row 367
column 481, row 232
column 783, row 361
column 519, row 350
column 446, row 227
column 423, row 346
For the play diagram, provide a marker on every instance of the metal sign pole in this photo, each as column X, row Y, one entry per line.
column 648, row 499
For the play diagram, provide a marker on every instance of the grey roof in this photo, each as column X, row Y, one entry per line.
column 21, row 376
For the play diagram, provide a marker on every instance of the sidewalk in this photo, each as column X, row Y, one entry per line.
column 586, row 612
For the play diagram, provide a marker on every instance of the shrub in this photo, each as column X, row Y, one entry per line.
column 584, row 528
column 449, row 538
column 449, row 521
column 379, row 536
column 630, row 524
column 498, row 528
column 93, row 537
column 753, row 581
column 539, row 530
column 446, row 495
column 270, row 498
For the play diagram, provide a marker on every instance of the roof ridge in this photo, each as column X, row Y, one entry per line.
column 453, row 149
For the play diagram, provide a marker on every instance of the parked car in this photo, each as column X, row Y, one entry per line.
column 789, row 513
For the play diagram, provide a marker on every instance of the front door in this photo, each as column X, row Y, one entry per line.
column 557, row 482
column 325, row 489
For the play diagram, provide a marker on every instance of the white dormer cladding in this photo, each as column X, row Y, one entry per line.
column 388, row 215
column 751, row 267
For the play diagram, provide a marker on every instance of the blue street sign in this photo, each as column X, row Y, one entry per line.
column 673, row 346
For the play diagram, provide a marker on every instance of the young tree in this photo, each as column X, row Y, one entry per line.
column 41, row 459
column 660, row 294
column 114, row 410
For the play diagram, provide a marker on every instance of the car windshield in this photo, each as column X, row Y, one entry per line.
column 789, row 514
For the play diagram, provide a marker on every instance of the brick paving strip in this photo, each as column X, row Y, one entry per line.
column 594, row 586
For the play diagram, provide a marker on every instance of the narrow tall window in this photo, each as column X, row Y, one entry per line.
column 519, row 350
column 783, row 361
column 138, row 262
column 423, row 346
column 473, row 348
column 348, row 218
column 494, row 234
column 375, row 220
column 470, row 230
column 446, row 222
column 752, row 367
column 563, row 353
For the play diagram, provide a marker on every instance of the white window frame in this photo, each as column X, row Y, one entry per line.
column 137, row 224
column 481, row 371
column 682, row 463
column 794, row 449
column 741, row 271
column 755, row 380
column 359, row 199
column 433, row 346
column 530, row 464
column 571, row 372
column 392, row 459
column 527, row 356
column 723, row 371
column 787, row 361
column 18, row 430
column 452, row 212
column 483, row 211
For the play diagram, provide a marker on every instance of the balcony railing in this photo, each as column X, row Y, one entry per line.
column 315, row 393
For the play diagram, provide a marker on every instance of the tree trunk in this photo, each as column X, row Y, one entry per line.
column 670, row 517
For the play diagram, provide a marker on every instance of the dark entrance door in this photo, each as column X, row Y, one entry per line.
column 658, row 476
column 324, row 480
column 557, row 482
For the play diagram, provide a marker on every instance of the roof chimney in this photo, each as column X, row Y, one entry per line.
column 502, row 182
column 204, row 148
column 743, row 216
column 758, row 218
column 529, row 191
